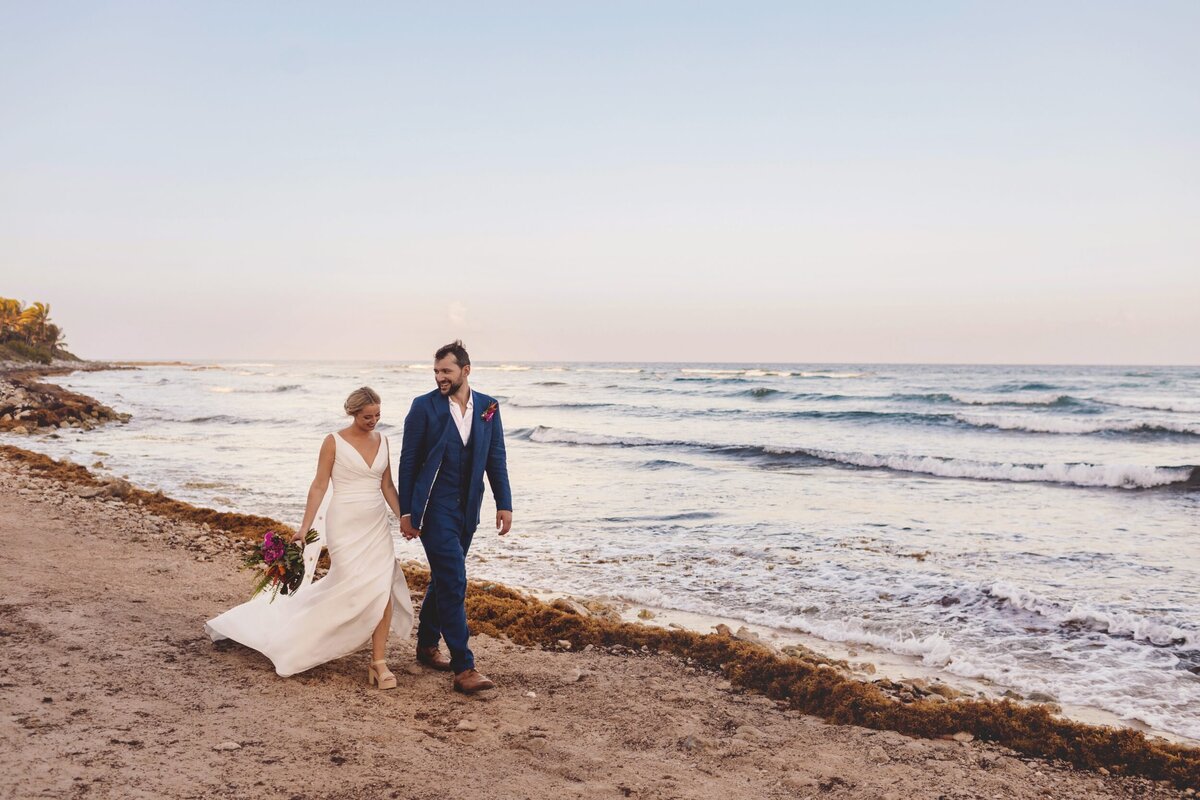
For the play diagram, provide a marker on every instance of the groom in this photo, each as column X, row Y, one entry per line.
column 451, row 437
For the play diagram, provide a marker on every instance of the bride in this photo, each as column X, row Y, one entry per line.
column 364, row 595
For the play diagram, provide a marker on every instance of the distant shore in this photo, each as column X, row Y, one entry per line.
column 912, row 706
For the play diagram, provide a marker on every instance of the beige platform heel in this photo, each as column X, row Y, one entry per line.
column 379, row 675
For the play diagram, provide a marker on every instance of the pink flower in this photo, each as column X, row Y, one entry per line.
column 490, row 412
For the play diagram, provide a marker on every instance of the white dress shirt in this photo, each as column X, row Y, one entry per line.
column 463, row 419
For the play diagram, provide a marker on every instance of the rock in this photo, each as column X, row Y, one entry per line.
column 723, row 630
column 571, row 606
column 227, row 747
column 531, row 695
column 945, row 691
column 574, row 676
column 645, row 613
column 963, row 736
column 563, row 644
column 1039, row 697
column 694, row 743
column 467, row 725
column 21, row 429
column 877, row 755
column 747, row 635
column 1104, row 772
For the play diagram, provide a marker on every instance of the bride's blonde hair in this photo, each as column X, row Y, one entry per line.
column 359, row 399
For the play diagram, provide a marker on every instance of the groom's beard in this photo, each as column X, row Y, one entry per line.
column 451, row 389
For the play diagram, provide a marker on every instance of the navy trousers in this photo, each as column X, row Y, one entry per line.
column 444, row 610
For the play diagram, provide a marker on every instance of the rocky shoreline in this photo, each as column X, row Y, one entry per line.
column 29, row 406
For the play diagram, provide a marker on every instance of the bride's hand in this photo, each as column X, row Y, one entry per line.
column 298, row 538
column 407, row 530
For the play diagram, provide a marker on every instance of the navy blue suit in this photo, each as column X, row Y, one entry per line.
column 440, row 484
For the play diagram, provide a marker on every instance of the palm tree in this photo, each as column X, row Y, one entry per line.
column 10, row 317
column 33, row 322
column 54, row 338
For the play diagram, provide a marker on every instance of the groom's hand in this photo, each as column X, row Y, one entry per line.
column 503, row 522
column 407, row 530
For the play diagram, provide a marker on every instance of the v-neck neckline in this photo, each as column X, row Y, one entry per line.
column 371, row 463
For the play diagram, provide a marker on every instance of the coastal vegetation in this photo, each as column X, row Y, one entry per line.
column 27, row 334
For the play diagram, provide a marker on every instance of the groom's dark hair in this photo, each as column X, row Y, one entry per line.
column 455, row 349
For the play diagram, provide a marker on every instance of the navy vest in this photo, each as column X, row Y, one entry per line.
column 454, row 474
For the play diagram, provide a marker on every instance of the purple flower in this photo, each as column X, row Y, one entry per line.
column 273, row 547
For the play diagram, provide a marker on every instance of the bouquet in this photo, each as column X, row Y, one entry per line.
column 280, row 564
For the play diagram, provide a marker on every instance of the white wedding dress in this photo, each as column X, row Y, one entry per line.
column 336, row 615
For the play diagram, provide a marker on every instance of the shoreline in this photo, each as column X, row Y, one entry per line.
column 811, row 685
column 598, row 720
column 898, row 675
column 893, row 684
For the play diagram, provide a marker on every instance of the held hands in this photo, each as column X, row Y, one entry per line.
column 407, row 530
column 503, row 522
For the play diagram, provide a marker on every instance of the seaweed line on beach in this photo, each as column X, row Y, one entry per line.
column 812, row 686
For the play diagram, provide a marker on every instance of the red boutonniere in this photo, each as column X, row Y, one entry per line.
column 490, row 412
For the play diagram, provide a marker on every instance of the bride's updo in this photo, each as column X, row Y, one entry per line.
column 359, row 399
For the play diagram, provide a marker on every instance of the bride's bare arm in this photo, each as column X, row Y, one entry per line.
column 389, row 492
column 316, row 492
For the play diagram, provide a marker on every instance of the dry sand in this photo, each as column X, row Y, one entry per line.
column 109, row 688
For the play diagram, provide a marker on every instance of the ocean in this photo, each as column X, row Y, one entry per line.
column 1033, row 527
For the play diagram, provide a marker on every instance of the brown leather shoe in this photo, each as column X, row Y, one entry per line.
column 469, row 682
column 432, row 657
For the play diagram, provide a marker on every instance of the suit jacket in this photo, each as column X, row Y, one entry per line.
column 427, row 429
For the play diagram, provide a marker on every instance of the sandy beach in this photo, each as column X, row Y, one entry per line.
column 110, row 688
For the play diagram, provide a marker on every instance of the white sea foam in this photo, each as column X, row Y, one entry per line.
column 610, row 371
column 1117, row 476
column 1114, row 623
column 828, row 374
column 1035, row 399
column 220, row 389
column 1064, row 425
column 1173, row 405
column 553, row 435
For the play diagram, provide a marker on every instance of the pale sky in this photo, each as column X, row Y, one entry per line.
column 652, row 181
